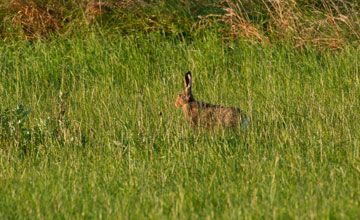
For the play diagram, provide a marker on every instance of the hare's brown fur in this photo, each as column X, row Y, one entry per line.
column 209, row 115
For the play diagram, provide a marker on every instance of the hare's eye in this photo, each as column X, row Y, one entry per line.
column 179, row 95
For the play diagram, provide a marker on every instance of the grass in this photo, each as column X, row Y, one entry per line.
column 121, row 150
column 331, row 24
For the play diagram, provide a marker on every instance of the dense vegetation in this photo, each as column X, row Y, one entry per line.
column 88, row 126
column 324, row 24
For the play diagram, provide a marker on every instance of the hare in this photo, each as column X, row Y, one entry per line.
column 208, row 115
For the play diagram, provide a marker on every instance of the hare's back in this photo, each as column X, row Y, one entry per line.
column 213, row 114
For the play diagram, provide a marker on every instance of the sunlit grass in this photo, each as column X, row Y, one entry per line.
column 137, row 157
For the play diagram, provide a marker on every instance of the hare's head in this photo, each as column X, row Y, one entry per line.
column 185, row 96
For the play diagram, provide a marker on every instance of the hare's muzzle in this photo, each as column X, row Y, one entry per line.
column 176, row 104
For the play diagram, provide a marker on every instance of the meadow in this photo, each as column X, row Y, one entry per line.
column 89, row 130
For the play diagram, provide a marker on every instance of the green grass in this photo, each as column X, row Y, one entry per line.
column 126, row 152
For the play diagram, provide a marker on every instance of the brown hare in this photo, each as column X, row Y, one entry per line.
column 208, row 115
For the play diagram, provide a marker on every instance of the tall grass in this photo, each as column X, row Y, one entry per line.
column 324, row 24
column 116, row 146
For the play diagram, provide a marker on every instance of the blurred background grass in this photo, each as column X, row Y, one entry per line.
column 325, row 24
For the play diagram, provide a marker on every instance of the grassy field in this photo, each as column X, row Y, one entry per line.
column 114, row 146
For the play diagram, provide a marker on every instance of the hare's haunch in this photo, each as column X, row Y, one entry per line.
column 201, row 113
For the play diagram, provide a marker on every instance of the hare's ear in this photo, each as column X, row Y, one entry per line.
column 188, row 81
